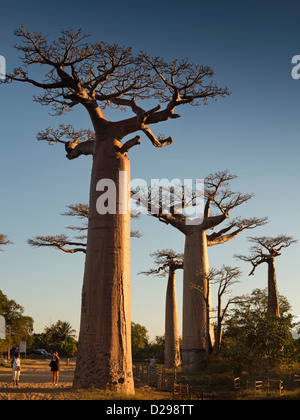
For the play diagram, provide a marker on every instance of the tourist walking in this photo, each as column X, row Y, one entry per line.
column 16, row 369
column 54, row 364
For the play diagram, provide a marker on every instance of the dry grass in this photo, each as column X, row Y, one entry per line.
column 261, row 395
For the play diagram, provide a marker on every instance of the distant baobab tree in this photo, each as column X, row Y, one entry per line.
column 167, row 262
column 198, row 329
column 4, row 241
column 74, row 72
column 264, row 250
column 64, row 242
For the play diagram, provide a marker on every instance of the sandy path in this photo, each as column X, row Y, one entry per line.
column 36, row 383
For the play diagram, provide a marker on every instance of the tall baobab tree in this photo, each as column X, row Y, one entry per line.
column 198, row 334
column 264, row 250
column 62, row 241
column 74, row 72
column 4, row 241
column 168, row 261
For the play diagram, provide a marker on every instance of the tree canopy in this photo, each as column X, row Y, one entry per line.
column 255, row 339
column 101, row 75
column 19, row 326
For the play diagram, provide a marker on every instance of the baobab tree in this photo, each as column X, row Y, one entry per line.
column 74, row 72
column 167, row 262
column 198, row 331
column 65, row 243
column 4, row 241
column 264, row 250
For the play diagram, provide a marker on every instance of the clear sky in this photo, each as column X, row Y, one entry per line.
column 254, row 133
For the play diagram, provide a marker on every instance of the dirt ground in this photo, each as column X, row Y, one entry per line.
column 36, row 384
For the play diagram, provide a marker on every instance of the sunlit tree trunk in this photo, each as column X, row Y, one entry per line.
column 273, row 301
column 197, row 335
column 172, row 348
column 104, row 354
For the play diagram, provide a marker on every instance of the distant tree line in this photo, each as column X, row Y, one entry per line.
column 252, row 338
column 19, row 327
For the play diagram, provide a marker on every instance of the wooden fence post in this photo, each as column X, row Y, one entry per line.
column 280, row 387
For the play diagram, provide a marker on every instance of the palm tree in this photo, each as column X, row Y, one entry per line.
column 61, row 331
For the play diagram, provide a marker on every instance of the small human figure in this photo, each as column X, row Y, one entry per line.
column 152, row 362
column 16, row 369
column 54, row 364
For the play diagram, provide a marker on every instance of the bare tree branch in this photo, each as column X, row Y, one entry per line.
column 265, row 248
column 4, row 241
column 164, row 259
column 130, row 143
column 59, row 242
column 224, row 235
column 62, row 241
column 168, row 206
column 77, row 142
column 97, row 75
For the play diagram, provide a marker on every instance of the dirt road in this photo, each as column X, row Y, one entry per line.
column 36, row 383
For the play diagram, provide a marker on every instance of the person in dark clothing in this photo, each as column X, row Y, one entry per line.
column 54, row 364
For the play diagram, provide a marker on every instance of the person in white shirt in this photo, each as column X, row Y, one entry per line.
column 16, row 369
column 152, row 362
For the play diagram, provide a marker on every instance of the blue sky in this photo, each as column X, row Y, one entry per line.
column 254, row 133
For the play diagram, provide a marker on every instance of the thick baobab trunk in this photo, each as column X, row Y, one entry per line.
column 172, row 348
column 197, row 326
column 104, row 353
column 273, row 302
